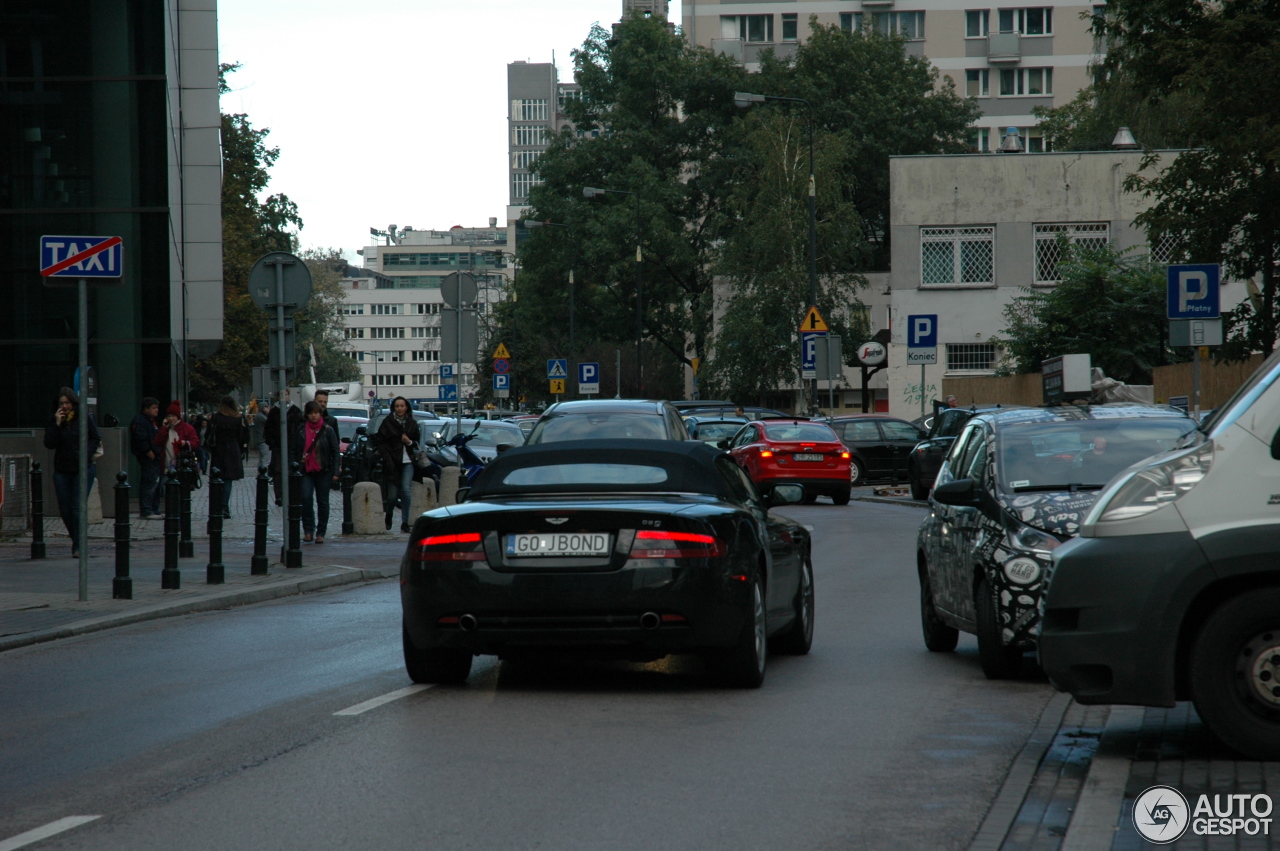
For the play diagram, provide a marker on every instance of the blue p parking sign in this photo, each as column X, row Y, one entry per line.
column 1194, row 291
column 588, row 378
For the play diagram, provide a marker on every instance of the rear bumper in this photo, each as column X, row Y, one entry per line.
column 826, row 484
column 574, row 612
column 1112, row 615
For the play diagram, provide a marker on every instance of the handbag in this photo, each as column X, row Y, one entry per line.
column 421, row 459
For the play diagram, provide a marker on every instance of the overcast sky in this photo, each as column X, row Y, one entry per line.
column 392, row 111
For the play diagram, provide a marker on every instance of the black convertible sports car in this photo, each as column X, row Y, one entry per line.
column 625, row 548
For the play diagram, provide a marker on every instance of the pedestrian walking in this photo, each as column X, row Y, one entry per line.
column 258, row 432
column 227, row 443
column 175, row 437
column 315, row 446
column 62, row 435
column 395, row 439
column 142, row 435
column 272, row 429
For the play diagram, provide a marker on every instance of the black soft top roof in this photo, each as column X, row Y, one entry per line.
column 689, row 464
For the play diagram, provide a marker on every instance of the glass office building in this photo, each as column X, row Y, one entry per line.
column 108, row 126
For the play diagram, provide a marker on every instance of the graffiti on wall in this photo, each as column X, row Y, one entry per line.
column 912, row 393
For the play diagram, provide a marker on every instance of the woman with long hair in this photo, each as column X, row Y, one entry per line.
column 230, row 441
column 62, row 435
column 315, row 445
column 396, row 438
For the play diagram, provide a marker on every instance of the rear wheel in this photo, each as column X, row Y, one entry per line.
column 856, row 472
column 436, row 665
column 743, row 665
column 938, row 637
column 841, row 497
column 919, row 490
column 799, row 636
column 1235, row 673
column 999, row 661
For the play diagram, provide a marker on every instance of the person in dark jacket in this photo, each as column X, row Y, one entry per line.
column 142, row 435
column 62, row 435
column 272, row 435
column 397, row 438
column 230, row 442
column 315, row 446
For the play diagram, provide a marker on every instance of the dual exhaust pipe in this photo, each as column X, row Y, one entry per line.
column 649, row 620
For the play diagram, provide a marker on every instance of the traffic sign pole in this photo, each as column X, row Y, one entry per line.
column 283, row 466
column 82, row 472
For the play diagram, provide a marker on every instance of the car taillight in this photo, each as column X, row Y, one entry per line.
column 464, row 546
column 654, row 544
column 765, row 453
column 844, row 455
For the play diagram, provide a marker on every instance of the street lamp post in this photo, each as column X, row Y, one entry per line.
column 531, row 223
column 595, row 192
column 745, row 100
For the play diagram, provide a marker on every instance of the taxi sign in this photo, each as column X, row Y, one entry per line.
column 81, row 256
column 813, row 321
column 501, row 352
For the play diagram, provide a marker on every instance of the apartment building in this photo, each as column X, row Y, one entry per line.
column 1010, row 58
column 536, row 100
column 392, row 307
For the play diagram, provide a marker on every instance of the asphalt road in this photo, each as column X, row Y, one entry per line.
column 219, row 731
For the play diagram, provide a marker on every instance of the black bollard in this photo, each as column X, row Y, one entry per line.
column 37, row 511
column 348, row 524
column 293, row 555
column 215, row 573
column 187, row 479
column 122, row 585
column 170, row 577
column 258, row 564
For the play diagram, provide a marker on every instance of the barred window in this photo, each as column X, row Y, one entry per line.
column 1049, row 251
column 1167, row 249
column 971, row 356
column 957, row 256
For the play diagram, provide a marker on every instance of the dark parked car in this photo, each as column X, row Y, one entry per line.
column 627, row 548
column 751, row 412
column 608, row 419
column 926, row 459
column 880, row 445
column 1016, row 485
column 713, row 429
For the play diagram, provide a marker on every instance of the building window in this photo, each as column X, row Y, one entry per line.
column 1049, row 247
column 386, row 309
column 1026, row 21
column 979, row 140
column 851, row 22
column 977, row 83
column 529, row 109
column 427, row 355
column 431, row 308
column 356, row 356
column 971, row 357
column 756, row 28
column 952, row 256
column 522, row 183
column 531, row 134
column 909, row 25
column 353, row 310
column 975, row 23
column 1167, row 249
column 388, row 357
column 789, row 28
column 353, row 333
column 1026, row 81
column 525, row 159
column 386, row 333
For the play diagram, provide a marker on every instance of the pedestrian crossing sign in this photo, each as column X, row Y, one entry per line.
column 557, row 368
column 501, row 351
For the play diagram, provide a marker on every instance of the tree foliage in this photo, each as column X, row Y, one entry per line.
column 1107, row 305
column 1203, row 76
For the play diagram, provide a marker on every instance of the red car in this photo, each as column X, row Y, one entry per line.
column 800, row 452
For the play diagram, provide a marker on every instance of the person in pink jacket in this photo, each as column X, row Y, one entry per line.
column 175, row 436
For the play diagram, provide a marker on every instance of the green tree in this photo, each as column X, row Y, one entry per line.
column 251, row 227
column 1107, row 305
column 319, row 323
column 1216, row 200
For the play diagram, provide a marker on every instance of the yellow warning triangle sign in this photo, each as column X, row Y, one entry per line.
column 501, row 351
column 813, row 321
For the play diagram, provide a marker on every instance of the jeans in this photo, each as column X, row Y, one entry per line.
column 401, row 493
column 64, row 485
column 315, row 489
column 226, row 496
column 149, row 486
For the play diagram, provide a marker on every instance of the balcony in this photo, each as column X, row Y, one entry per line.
column 731, row 47
column 1004, row 48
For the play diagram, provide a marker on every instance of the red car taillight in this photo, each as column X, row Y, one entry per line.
column 464, row 546
column 653, row 544
column 766, row 453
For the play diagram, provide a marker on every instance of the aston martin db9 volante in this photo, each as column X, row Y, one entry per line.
column 632, row 549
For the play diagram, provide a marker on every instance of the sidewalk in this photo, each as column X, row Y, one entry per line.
column 39, row 598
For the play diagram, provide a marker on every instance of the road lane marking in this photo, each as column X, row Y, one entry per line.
column 376, row 702
column 53, row 828
column 807, row 526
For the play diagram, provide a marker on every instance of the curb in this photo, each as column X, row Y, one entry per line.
column 218, row 600
column 892, row 500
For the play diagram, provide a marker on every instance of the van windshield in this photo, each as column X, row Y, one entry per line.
column 1082, row 453
column 1253, row 389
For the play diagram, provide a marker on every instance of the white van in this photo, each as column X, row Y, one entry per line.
column 1172, row 589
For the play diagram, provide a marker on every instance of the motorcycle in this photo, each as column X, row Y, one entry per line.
column 472, row 464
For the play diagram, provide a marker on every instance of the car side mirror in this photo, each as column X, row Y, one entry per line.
column 722, row 443
column 785, row 495
column 503, row 447
column 462, row 494
column 960, row 492
column 362, row 430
